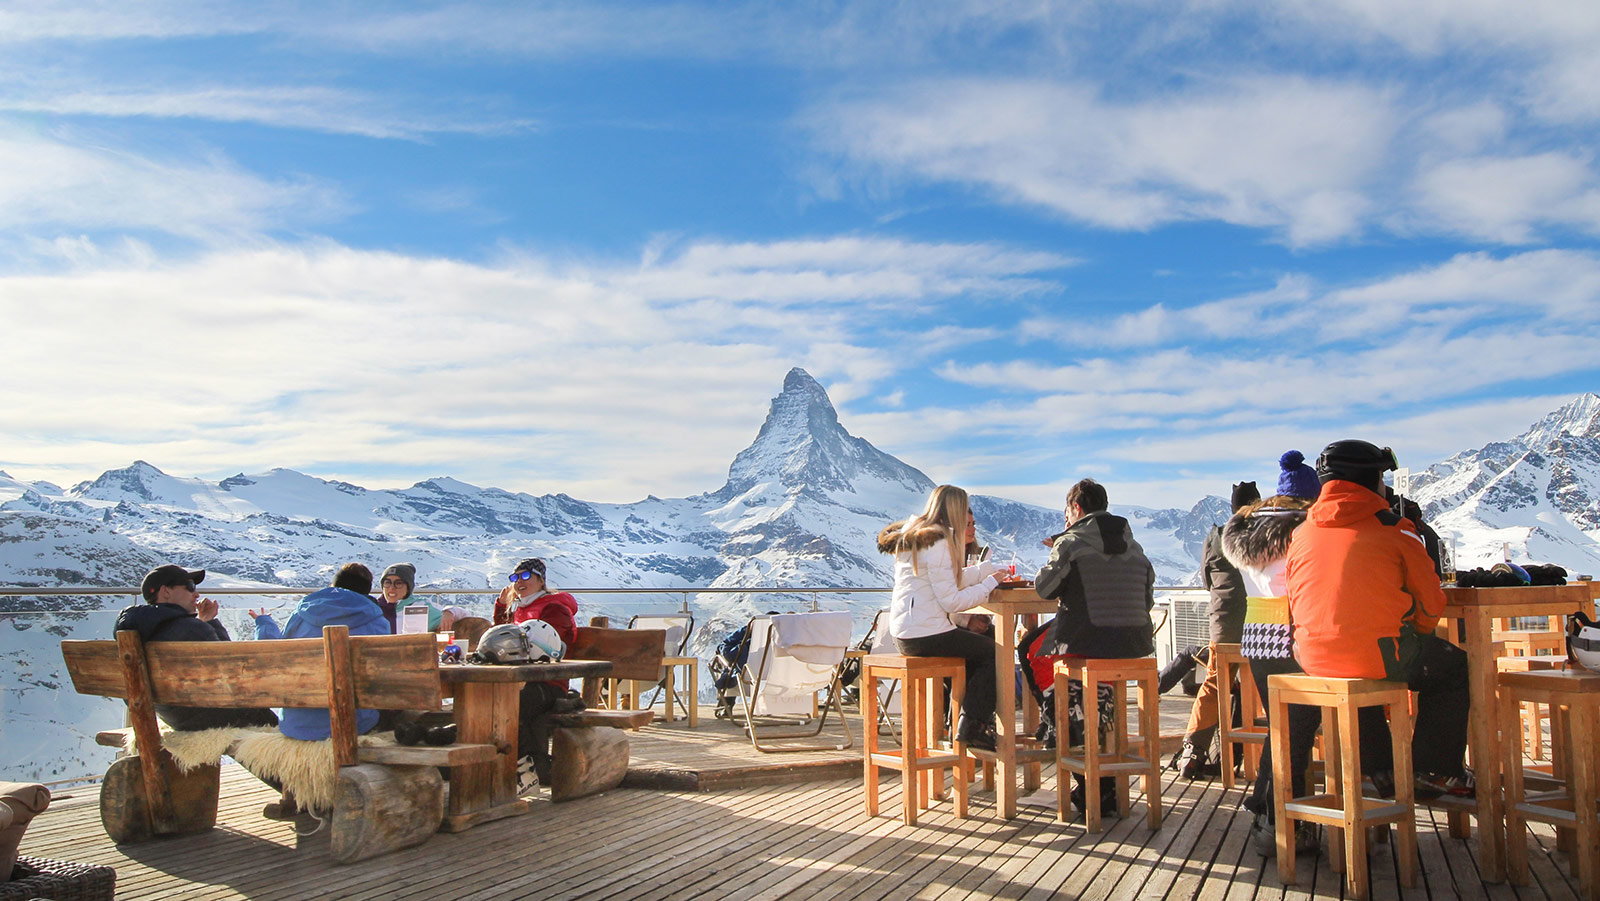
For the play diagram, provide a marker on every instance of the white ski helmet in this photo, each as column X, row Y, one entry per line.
column 506, row 644
column 544, row 644
column 1583, row 641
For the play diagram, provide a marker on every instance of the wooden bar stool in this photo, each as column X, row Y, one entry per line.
column 924, row 755
column 1226, row 659
column 1574, row 699
column 1533, row 714
column 1342, row 806
column 1124, row 754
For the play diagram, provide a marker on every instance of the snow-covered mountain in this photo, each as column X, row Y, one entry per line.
column 1536, row 495
column 801, row 508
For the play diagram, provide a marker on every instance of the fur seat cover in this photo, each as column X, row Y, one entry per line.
column 305, row 769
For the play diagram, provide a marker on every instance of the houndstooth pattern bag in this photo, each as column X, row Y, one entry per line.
column 1267, row 641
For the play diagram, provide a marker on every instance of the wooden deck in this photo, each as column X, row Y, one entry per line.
column 717, row 756
column 803, row 838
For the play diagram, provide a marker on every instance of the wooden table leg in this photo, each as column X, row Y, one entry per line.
column 1031, row 771
column 668, row 683
column 692, row 698
column 1484, row 742
column 1005, row 673
column 486, row 713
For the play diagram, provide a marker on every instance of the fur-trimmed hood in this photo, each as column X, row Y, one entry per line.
column 894, row 538
column 1258, row 535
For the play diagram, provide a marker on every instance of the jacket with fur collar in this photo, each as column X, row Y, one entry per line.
column 926, row 588
column 1256, row 540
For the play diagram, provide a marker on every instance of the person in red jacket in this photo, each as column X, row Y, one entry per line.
column 1363, row 601
column 529, row 597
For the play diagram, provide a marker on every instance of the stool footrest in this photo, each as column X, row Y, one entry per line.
column 1329, row 810
column 1558, row 810
column 936, row 762
column 1134, row 765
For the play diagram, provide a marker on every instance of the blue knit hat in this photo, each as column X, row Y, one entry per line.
column 1297, row 479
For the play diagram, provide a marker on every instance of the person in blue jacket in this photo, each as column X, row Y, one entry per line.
column 346, row 603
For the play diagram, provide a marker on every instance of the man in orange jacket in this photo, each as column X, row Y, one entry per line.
column 1364, row 599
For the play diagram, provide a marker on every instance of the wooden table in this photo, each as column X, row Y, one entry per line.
column 486, row 711
column 1011, row 607
column 1476, row 610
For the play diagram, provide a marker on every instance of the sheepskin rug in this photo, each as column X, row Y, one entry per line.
column 304, row 768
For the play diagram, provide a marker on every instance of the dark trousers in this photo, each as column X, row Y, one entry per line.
column 534, row 704
column 1437, row 672
column 1304, row 721
column 978, row 652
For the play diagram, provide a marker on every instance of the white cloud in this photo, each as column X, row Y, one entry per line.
column 51, row 181
column 513, row 374
column 1284, row 153
column 1505, row 199
column 311, row 108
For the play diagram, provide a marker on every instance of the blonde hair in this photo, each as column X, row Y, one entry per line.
column 947, row 509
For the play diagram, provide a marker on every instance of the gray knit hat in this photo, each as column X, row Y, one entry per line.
column 407, row 574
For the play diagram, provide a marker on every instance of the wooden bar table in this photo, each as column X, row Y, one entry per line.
column 1012, row 607
column 486, row 712
column 1476, row 609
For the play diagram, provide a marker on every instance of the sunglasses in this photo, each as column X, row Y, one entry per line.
column 186, row 585
column 395, row 582
column 521, row 576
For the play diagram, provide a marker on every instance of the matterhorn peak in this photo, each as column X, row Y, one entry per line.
column 802, row 445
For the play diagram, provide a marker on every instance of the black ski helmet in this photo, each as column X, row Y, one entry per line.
column 1356, row 461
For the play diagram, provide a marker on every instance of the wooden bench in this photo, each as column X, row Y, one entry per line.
column 588, row 750
column 385, row 798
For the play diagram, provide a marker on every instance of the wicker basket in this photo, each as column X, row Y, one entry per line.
column 58, row 880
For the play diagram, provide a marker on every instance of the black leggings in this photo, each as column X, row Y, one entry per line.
column 978, row 652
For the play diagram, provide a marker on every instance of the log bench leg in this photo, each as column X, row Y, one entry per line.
column 379, row 808
column 586, row 760
column 125, row 812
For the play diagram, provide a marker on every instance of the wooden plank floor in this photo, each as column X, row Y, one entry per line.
column 807, row 839
column 716, row 755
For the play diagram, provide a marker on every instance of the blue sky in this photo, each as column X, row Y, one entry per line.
column 575, row 246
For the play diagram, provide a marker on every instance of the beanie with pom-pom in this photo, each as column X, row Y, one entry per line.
column 1297, row 479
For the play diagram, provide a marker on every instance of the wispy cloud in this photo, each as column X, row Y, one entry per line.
column 1287, row 154
column 324, row 109
column 73, row 181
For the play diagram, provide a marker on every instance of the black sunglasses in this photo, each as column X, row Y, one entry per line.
column 521, row 575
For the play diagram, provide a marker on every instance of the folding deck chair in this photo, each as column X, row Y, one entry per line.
column 792, row 657
column 679, row 628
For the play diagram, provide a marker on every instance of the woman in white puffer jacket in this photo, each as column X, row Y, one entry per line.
column 930, row 584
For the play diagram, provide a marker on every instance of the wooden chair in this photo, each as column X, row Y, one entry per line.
column 679, row 628
column 1230, row 663
column 1574, row 700
column 924, row 754
column 1342, row 806
column 1117, row 756
column 468, row 630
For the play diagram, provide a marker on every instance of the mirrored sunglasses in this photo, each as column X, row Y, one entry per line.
column 521, row 576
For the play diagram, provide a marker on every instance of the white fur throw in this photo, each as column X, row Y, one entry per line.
column 304, row 768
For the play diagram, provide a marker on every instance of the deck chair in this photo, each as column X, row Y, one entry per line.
column 876, row 641
column 792, row 657
column 679, row 628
